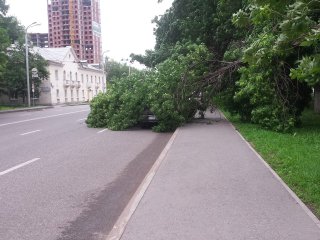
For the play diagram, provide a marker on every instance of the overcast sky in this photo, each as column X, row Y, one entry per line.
column 126, row 24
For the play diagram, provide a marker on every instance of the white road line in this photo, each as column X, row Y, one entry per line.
column 18, row 166
column 103, row 130
column 79, row 120
column 22, row 134
column 39, row 118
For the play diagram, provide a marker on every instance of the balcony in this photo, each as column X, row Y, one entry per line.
column 66, row 83
column 72, row 84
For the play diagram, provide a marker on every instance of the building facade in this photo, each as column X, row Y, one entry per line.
column 70, row 80
column 76, row 23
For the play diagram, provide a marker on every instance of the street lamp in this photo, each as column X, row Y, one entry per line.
column 27, row 59
column 103, row 59
column 127, row 62
column 104, row 67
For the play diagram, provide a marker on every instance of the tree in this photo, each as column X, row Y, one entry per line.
column 117, row 70
column 12, row 58
column 170, row 91
column 4, row 41
column 15, row 73
column 271, row 50
column 302, row 29
column 264, row 60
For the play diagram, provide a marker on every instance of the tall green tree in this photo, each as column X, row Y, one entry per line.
column 272, row 50
column 12, row 58
column 208, row 22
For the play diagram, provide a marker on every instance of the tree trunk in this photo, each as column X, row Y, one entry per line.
column 317, row 98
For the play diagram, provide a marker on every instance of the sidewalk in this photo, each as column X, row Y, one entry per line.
column 213, row 186
column 37, row 108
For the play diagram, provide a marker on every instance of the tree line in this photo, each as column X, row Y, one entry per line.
column 256, row 58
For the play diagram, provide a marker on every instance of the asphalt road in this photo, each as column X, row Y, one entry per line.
column 60, row 180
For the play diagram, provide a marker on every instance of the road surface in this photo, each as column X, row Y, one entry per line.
column 60, row 180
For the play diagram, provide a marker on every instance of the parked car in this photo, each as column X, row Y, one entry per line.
column 148, row 119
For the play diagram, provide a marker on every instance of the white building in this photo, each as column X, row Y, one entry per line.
column 70, row 80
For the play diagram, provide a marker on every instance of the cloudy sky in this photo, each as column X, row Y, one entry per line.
column 126, row 24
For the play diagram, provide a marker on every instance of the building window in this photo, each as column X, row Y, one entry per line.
column 87, row 78
column 56, row 74
column 76, row 76
column 70, row 76
column 58, row 98
column 64, row 75
column 81, row 78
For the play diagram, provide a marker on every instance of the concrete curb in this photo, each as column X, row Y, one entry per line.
column 120, row 225
column 26, row 109
column 289, row 190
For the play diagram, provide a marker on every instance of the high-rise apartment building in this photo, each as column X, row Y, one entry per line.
column 39, row 39
column 76, row 23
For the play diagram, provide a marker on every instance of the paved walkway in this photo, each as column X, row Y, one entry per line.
column 213, row 186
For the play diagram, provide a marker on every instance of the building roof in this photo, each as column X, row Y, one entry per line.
column 54, row 54
column 58, row 55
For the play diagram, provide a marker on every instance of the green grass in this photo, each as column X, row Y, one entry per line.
column 295, row 156
column 6, row 108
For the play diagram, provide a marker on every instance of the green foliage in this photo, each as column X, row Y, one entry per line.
column 176, row 86
column 207, row 21
column 117, row 70
column 98, row 115
column 171, row 91
column 308, row 70
column 121, row 107
column 12, row 69
column 279, row 32
column 3, row 8
column 276, row 44
column 14, row 75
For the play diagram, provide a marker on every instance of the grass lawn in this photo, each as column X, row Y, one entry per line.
column 6, row 108
column 295, row 156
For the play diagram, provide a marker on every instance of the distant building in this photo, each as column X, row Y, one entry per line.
column 39, row 39
column 76, row 23
column 70, row 80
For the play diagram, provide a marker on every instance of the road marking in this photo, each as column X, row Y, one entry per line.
column 23, row 134
column 79, row 120
column 39, row 118
column 120, row 225
column 103, row 130
column 18, row 166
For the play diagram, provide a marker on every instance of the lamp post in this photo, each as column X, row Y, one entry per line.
column 104, row 67
column 103, row 60
column 27, row 59
column 127, row 62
